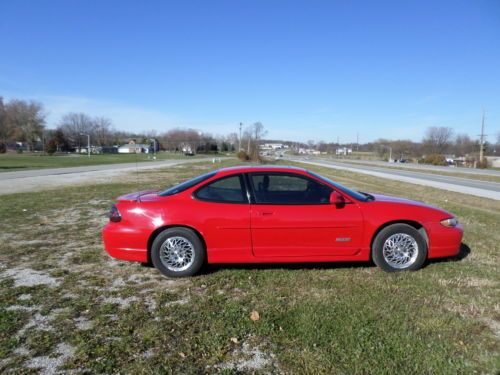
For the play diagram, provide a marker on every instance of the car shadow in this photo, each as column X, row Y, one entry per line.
column 213, row 268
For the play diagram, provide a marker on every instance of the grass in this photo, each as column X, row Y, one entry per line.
column 64, row 302
column 25, row 161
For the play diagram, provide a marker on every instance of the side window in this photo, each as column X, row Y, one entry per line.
column 227, row 189
column 275, row 188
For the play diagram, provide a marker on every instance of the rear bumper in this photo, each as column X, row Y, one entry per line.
column 443, row 241
column 125, row 243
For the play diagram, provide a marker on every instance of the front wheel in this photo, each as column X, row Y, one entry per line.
column 399, row 247
column 177, row 252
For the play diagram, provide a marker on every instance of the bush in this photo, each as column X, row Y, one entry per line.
column 483, row 164
column 435, row 159
column 51, row 147
column 243, row 156
column 3, row 148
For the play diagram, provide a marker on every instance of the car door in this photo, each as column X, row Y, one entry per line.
column 291, row 216
column 223, row 213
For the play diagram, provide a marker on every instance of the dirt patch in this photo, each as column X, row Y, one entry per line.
column 48, row 365
column 248, row 358
column 30, row 277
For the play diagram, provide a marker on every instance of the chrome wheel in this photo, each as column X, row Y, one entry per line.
column 400, row 250
column 177, row 253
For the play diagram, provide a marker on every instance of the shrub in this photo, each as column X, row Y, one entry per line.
column 51, row 147
column 243, row 156
column 483, row 164
column 435, row 159
column 3, row 148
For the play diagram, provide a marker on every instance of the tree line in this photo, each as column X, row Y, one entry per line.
column 25, row 121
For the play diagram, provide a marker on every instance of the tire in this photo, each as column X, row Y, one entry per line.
column 178, row 252
column 399, row 247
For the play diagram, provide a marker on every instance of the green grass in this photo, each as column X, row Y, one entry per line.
column 121, row 317
column 12, row 162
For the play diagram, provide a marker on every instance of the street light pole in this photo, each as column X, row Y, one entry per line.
column 154, row 148
column 239, row 145
column 88, row 143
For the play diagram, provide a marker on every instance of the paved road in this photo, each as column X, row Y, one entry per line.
column 39, row 179
column 484, row 189
column 422, row 167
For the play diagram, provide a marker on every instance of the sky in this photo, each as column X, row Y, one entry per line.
column 307, row 70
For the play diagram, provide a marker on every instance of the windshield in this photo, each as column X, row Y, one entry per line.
column 355, row 194
column 187, row 184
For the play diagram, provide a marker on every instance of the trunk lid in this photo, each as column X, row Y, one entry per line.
column 139, row 196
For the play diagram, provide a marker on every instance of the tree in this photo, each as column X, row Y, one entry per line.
column 252, row 137
column 3, row 128
column 437, row 139
column 25, row 121
column 60, row 141
column 464, row 145
column 73, row 125
column 101, row 131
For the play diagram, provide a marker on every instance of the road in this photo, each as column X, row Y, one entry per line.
column 39, row 179
column 423, row 167
column 485, row 189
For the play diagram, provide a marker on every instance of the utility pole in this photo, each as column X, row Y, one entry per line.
column 88, row 143
column 239, row 145
column 481, row 141
column 357, row 142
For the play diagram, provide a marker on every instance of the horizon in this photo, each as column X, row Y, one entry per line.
column 385, row 70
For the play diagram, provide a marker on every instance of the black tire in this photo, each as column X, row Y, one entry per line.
column 405, row 230
column 178, row 234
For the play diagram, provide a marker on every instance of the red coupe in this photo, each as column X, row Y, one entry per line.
column 274, row 214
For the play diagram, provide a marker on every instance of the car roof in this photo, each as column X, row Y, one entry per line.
column 260, row 168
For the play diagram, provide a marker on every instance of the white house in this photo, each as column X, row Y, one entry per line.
column 343, row 151
column 134, row 148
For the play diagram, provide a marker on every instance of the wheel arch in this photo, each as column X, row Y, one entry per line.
column 415, row 224
column 157, row 231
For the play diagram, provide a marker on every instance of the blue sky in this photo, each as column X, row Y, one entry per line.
column 307, row 70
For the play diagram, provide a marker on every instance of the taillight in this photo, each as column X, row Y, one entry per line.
column 114, row 214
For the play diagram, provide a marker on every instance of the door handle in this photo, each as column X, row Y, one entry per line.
column 266, row 213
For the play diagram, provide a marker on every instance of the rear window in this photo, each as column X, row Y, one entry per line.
column 187, row 184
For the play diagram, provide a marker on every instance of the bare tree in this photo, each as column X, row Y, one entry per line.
column 102, row 131
column 438, row 139
column 25, row 121
column 74, row 125
column 3, row 122
column 252, row 137
column 464, row 145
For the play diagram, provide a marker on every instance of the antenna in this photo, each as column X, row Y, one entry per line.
column 136, row 166
column 481, row 138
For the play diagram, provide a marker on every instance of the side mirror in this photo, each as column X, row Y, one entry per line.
column 336, row 198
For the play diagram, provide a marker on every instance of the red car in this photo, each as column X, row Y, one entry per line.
column 274, row 214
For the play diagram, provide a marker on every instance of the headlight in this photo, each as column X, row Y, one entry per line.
column 452, row 222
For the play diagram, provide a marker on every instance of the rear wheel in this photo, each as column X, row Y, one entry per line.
column 178, row 252
column 399, row 247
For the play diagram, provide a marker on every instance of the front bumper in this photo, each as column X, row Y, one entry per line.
column 443, row 241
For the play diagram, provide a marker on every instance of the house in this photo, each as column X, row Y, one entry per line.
column 134, row 148
column 343, row 151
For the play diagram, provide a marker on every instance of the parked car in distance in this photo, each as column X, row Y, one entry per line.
column 266, row 214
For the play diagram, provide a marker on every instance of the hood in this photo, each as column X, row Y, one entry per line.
column 396, row 200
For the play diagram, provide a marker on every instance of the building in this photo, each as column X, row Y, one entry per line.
column 134, row 148
column 343, row 151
